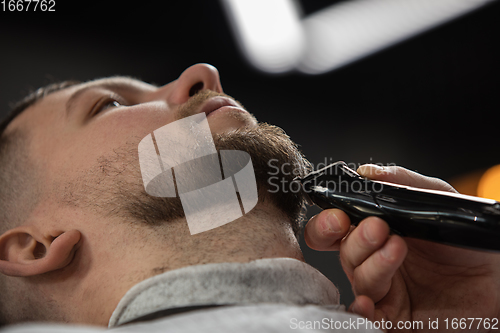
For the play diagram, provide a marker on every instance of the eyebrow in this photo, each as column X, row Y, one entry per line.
column 114, row 86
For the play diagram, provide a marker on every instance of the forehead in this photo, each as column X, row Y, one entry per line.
column 64, row 98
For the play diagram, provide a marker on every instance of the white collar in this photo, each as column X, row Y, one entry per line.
column 277, row 280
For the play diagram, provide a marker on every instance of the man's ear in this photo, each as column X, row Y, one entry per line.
column 26, row 252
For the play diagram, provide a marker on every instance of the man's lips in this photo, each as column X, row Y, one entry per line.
column 219, row 102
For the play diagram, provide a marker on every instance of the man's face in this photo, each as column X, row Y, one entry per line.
column 73, row 128
column 85, row 140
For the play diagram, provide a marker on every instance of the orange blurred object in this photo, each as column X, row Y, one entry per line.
column 489, row 184
column 481, row 183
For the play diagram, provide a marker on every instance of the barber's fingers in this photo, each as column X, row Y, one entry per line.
column 374, row 277
column 325, row 230
column 371, row 256
column 370, row 235
column 403, row 176
column 363, row 306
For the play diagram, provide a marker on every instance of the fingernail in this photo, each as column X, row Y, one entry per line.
column 368, row 234
column 334, row 222
column 386, row 252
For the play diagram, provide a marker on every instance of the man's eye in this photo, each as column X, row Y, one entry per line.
column 104, row 105
column 109, row 104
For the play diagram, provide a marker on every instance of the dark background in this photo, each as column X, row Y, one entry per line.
column 430, row 104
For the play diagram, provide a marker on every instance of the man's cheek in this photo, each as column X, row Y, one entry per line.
column 137, row 120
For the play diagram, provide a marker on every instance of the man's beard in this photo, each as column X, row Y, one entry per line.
column 114, row 187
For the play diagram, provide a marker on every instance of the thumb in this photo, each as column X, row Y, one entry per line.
column 325, row 231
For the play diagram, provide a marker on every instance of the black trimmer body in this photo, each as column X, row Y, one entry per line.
column 438, row 216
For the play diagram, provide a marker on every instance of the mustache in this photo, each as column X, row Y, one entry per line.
column 194, row 103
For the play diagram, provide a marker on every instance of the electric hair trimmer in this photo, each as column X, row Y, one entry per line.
column 438, row 216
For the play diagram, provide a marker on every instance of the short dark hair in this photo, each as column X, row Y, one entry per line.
column 17, row 191
column 31, row 99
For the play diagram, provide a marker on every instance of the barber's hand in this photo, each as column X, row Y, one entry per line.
column 407, row 279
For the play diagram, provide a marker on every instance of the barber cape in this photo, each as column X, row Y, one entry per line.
column 266, row 295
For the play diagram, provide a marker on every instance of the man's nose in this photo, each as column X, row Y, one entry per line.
column 194, row 79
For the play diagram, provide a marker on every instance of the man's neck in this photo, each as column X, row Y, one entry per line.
column 116, row 266
column 271, row 281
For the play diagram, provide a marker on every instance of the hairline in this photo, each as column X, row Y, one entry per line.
column 41, row 93
column 32, row 99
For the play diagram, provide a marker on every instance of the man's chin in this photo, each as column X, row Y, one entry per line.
column 276, row 160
